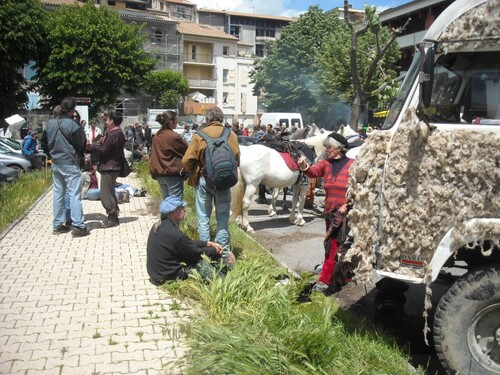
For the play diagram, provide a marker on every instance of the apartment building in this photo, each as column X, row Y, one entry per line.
column 217, row 72
column 180, row 10
column 251, row 29
column 422, row 14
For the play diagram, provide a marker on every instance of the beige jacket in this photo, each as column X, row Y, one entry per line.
column 194, row 158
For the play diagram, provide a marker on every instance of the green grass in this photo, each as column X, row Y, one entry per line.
column 17, row 197
column 247, row 324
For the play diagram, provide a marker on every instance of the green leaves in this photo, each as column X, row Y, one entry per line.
column 92, row 53
column 166, row 87
column 21, row 30
column 309, row 69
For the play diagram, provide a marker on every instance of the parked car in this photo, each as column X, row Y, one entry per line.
column 14, row 160
column 7, row 174
column 17, row 147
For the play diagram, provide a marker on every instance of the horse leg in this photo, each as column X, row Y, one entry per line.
column 302, row 189
column 285, row 206
column 247, row 199
column 271, row 210
column 295, row 196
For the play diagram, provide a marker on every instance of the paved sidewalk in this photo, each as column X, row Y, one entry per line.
column 84, row 305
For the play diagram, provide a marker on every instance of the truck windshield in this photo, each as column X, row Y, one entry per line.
column 466, row 89
column 402, row 95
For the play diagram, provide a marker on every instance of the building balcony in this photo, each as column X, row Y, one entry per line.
column 202, row 83
column 264, row 39
column 189, row 58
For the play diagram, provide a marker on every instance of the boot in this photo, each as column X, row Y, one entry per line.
column 111, row 222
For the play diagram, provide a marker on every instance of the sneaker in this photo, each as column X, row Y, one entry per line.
column 320, row 287
column 79, row 232
column 61, row 229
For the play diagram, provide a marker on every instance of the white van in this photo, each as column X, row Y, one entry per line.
column 155, row 125
column 284, row 119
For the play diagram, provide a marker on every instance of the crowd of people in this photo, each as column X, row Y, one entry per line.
column 174, row 159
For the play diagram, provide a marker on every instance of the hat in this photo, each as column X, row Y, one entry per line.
column 170, row 204
column 339, row 138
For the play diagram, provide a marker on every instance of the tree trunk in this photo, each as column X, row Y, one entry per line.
column 355, row 113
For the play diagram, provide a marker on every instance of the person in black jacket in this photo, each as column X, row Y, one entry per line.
column 170, row 253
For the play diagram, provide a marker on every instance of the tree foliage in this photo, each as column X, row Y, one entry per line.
column 287, row 77
column 371, row 56
column 310, row 70
column 91, row 53
column 21, row 30
column 166, row 87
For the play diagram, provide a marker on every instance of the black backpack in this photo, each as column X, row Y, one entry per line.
column 221, row 170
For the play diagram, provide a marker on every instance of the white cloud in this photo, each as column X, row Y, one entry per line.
column 270, row 7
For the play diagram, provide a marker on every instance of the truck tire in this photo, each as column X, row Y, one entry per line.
column 467, row 323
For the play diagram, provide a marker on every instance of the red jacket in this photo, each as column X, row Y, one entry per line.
column 334, row 180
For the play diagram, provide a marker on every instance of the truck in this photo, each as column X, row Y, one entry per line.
column 425, row 188
column 155, row 125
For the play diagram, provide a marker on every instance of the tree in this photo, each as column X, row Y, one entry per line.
column 287, row 78
column 372, row 55
column 166, row 87
column 21, row 30
column 91, row 53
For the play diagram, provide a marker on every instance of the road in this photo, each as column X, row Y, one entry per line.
column 301, row 249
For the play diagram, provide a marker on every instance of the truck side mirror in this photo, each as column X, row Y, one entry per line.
column 427, row 77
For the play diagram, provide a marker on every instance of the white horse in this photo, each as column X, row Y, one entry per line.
column 261, row 164
column 317, row 141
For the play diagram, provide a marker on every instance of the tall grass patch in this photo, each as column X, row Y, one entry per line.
column 250, row 323
column 18, row 196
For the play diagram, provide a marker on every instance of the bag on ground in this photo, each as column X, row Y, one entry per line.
column 221, row 170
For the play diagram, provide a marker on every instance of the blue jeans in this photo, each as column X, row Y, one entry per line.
column 204, row 200
column 171, row 186
column 67, row 189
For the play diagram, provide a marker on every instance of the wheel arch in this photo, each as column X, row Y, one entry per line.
column 456, row 243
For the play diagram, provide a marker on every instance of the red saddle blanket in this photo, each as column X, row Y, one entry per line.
column 290, row 162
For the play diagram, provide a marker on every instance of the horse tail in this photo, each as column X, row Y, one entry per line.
column 237, row 193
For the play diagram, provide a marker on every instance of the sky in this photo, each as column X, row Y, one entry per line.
column 289, row 8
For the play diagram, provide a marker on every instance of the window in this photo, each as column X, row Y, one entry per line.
column 259, row 50
column 224, row 97
column 225, row 75
column 158, row 36
column 225, row 50
column 193, row 53
column 235, row 31
column 111, row 3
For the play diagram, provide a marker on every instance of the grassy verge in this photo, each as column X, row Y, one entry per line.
column 248, row 323
column 17, row 197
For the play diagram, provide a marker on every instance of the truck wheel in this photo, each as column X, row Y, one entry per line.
column 467, row 323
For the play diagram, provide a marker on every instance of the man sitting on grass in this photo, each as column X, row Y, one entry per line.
column 170, row 253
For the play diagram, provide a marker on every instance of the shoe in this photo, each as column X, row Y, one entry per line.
column 126, row 196
column 109, row 224
column 320, row 287
column 79, row 232
column 61, row 229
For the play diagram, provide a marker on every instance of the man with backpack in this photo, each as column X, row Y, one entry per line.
column 212, row 159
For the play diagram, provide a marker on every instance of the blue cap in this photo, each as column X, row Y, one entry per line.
column 170, row 204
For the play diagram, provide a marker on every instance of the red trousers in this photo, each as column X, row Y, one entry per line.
column 326, row 274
